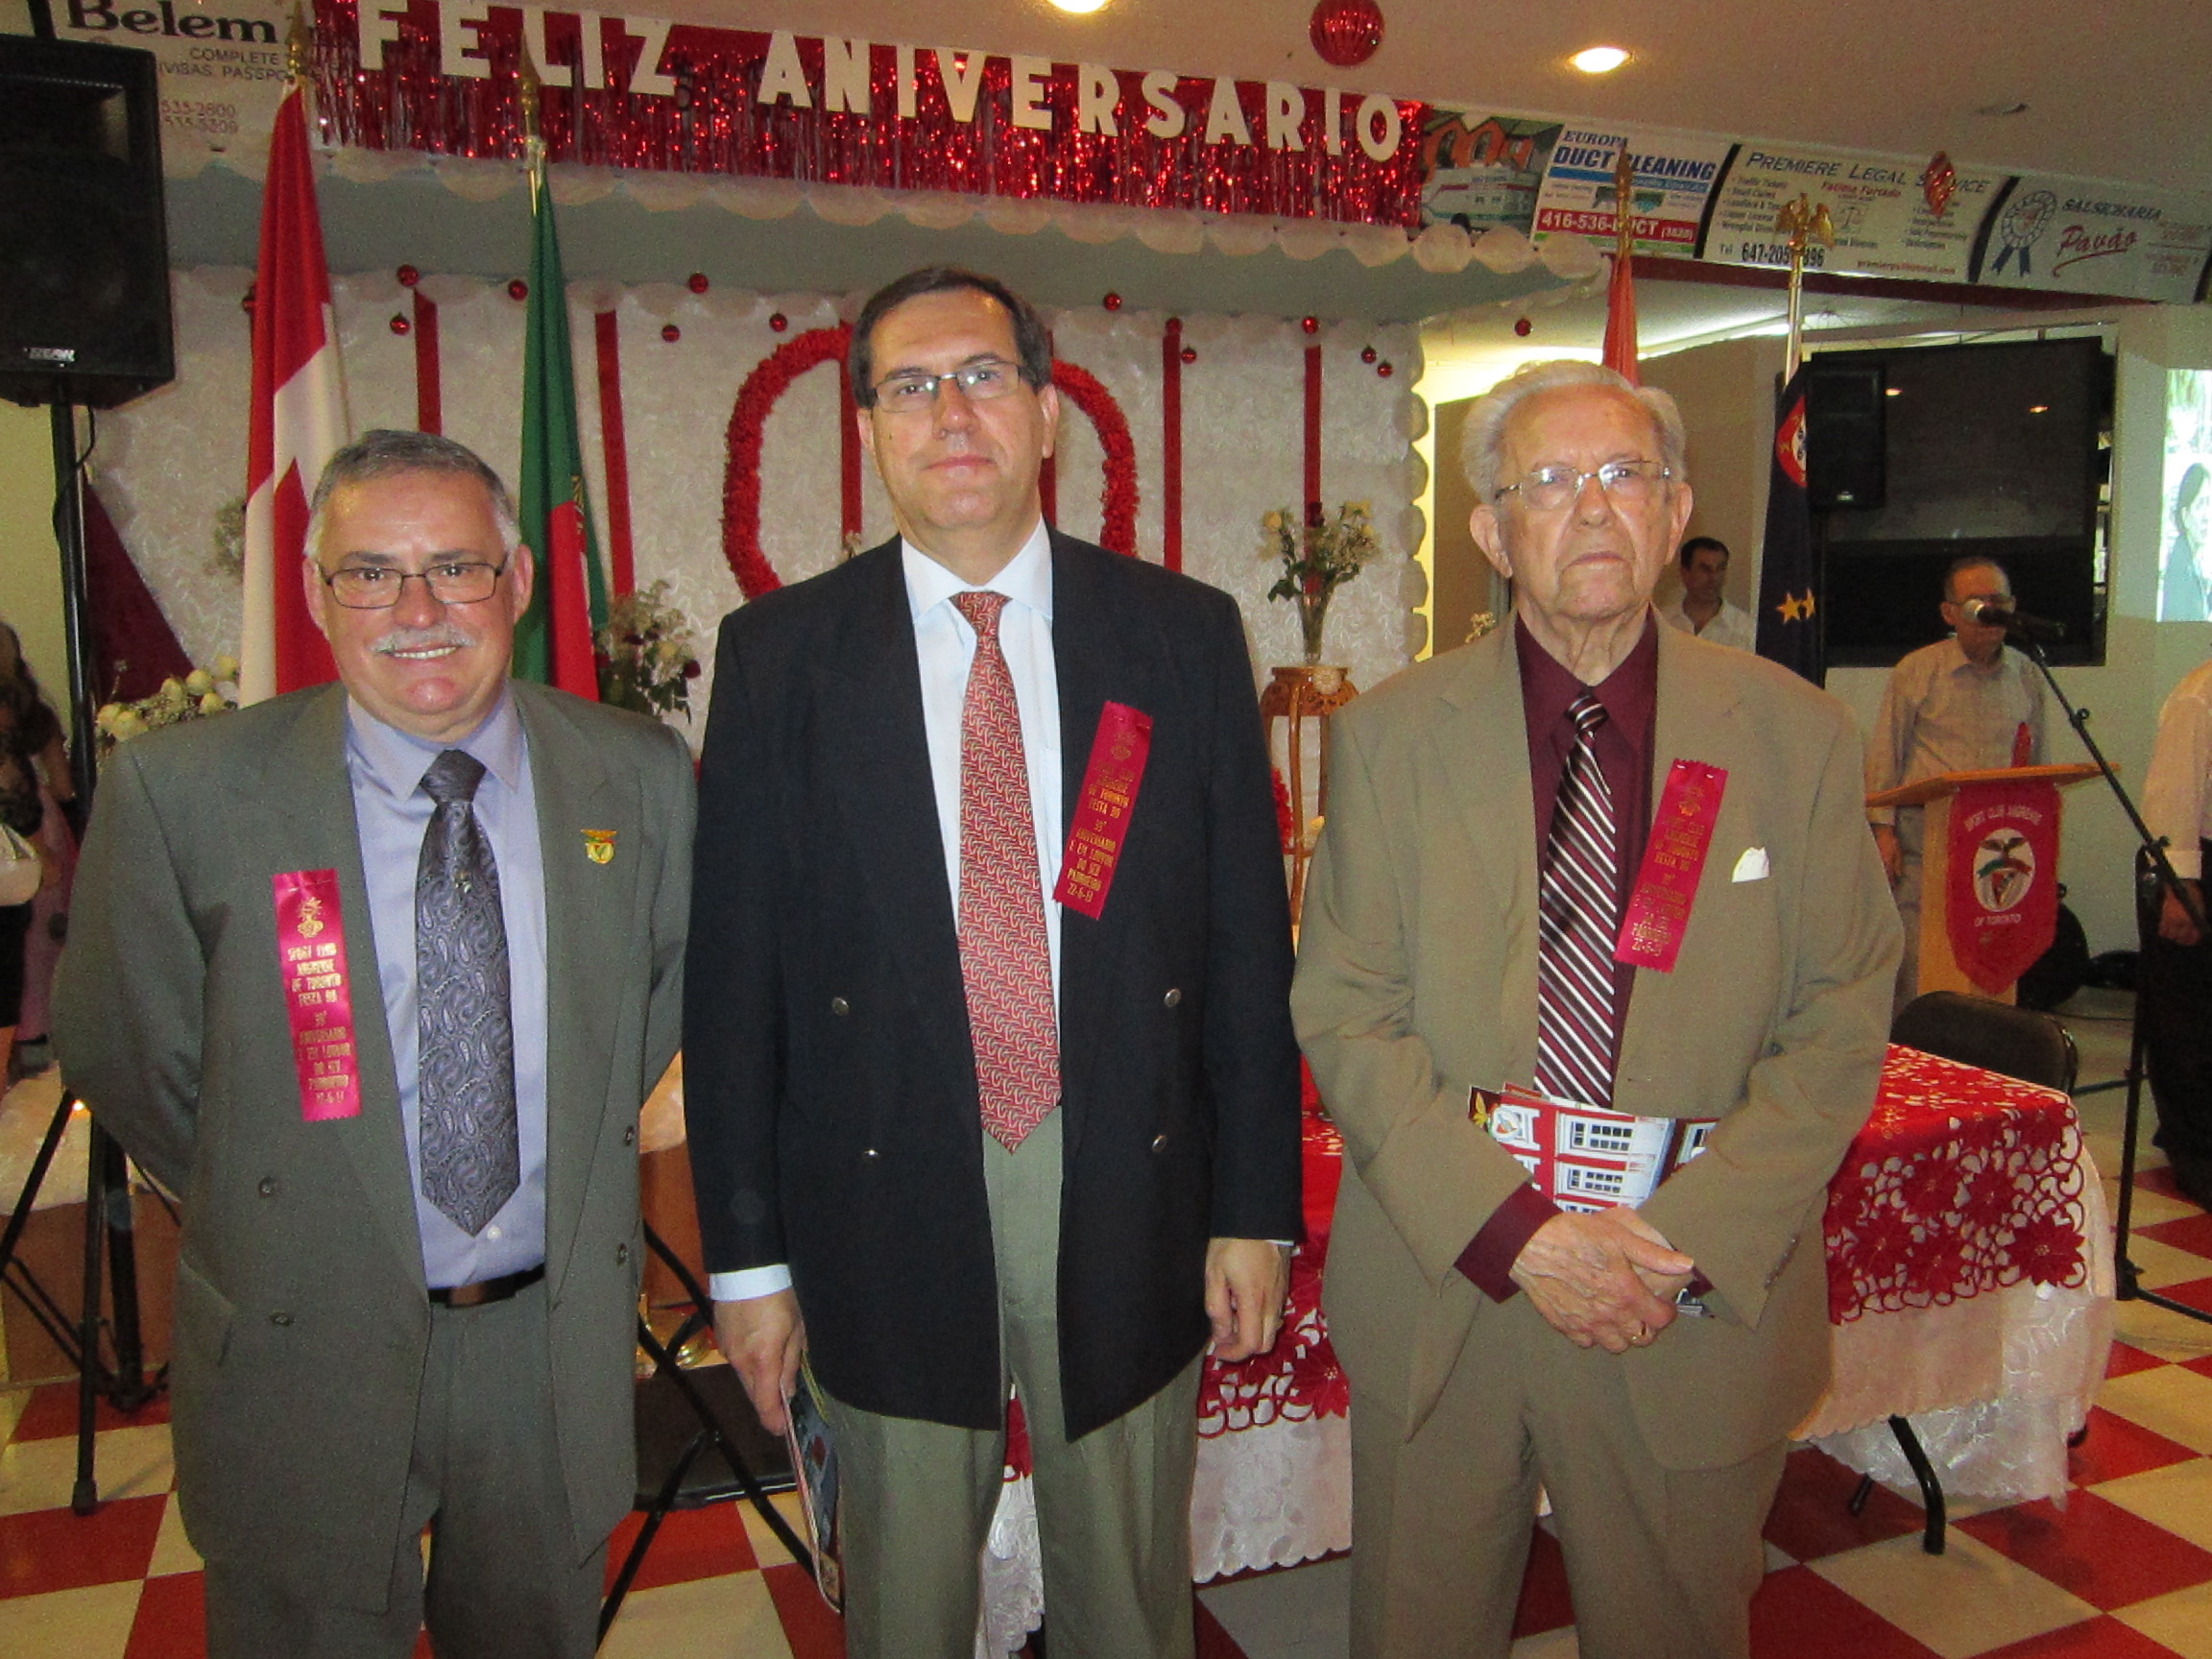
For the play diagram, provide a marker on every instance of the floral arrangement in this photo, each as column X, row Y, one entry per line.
column 647, row 658
column 197, row 695
column 1318, row 556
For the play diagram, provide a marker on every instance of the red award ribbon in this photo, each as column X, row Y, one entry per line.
column 1102, row 808
column 319, row 996
column 1673, row 858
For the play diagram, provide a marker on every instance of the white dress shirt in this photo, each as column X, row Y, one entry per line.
column 2177, row 789
column 1942, row 711
column 945, row 645
column 1731, row 624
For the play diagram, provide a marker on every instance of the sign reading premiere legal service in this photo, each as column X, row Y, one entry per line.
column 1884, row 224
column 221, row 65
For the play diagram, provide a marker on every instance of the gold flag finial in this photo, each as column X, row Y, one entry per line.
column 299, row 46
column 1623, row 202
column 1801, row 223
column 529, row 94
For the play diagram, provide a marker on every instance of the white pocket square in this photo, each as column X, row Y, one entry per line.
column 1753, row 866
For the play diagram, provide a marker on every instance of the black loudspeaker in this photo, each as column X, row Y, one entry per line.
column 84, row 242
column 1847, row 434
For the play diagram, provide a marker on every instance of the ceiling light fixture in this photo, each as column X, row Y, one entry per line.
column 1082, row 7
column 1599, row 59
column 2003, row 107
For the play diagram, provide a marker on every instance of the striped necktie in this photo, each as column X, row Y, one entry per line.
column 1579, row 916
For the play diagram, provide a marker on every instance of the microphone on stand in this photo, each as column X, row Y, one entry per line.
column 1991, row 614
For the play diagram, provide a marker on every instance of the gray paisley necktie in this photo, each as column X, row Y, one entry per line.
column 472, row 1158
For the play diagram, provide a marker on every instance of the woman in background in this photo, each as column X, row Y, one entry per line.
column 2186, row 593
column 33, row 771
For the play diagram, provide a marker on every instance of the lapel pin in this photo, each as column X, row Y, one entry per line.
column 599, row 845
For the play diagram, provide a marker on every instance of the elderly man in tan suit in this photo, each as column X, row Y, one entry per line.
column 1488, row 816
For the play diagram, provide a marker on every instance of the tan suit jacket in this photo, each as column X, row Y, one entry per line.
column 1417, row 979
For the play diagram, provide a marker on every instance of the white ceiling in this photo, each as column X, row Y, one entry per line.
column 2116, row 89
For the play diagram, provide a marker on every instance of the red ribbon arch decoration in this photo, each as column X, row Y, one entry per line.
column 773, row 377
column 769, row 380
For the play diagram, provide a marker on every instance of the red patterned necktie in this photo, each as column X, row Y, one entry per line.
column 1005, row 956
column 1578, row 906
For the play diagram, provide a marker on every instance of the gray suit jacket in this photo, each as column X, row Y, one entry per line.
column 301, row 1313
column 1417, row 979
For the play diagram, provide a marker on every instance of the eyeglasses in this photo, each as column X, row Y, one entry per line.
column 1547, row 488
column 981, row 381
column 378, row 587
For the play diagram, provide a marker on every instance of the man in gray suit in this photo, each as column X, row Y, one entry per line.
column 375, row 976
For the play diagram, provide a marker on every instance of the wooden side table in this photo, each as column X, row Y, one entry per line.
column 1295, row 696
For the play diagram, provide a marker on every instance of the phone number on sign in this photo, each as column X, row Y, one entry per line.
column 1602, row 225
column 200, row 117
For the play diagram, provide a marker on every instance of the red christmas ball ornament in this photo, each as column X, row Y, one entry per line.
column 1346, row 32
column 1523, row 326
column 400, row 324
column 518, row 289
column 1385, row 369
column 779, row 321
column 1113, row 302
column 1367, row 355
column 408, row 275
column 1189, row 353
column 246, row 300
column 697, row 282
column 671, row 333
column 1311, row 325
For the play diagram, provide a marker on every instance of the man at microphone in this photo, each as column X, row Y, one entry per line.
column 1962, row 705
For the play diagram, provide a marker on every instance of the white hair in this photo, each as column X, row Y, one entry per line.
column 1482, row 439
column 381, row 452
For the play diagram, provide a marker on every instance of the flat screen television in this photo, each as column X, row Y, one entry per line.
column 1992, row 450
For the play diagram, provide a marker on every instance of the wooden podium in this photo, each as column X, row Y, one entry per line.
column 1938, row 967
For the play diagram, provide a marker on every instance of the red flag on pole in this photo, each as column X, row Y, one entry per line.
column 297, row 418
column 1621, row 292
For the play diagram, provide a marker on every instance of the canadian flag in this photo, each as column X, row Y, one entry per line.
column 299, row 419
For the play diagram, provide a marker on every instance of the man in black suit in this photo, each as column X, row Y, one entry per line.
column 989, row 1066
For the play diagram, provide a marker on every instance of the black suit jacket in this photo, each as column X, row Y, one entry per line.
column 829, row 1078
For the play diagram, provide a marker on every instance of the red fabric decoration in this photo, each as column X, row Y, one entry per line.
column 429, row 374
column 741, row 478
column 1171, row 444
column 134, row 648
column 1312, row 473
column 848, row 451
column 1961, row 1182
column 1117, row 498
column 615, row 445
column 1286, row 818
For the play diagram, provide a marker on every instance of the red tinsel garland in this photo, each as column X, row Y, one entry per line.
column 1117, row 498
column 741, row 479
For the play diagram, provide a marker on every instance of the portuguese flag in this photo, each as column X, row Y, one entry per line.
column 553, row 641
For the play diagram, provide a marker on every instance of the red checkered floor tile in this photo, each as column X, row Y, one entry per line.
column 2122, row 1572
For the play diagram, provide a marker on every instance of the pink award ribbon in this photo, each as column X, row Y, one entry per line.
column 1673, row 858
column 1102, row 808
column 317, row 995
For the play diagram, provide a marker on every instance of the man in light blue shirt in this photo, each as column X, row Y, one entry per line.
column 376, row 975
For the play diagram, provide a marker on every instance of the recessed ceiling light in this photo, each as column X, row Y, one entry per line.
column 1079, row 6
column 2038, row 408
column 1892, row 391
column 2003, row 107
column 1599, row 59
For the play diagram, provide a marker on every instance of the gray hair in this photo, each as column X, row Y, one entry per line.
column 382, row 453
column 1482, row 439
column 1964, row 563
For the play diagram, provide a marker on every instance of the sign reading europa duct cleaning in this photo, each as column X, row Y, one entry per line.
column 440, row 76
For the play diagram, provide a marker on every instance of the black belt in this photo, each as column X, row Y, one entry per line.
column 485, row 1290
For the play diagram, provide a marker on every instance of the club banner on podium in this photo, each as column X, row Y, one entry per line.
column 2001, row 907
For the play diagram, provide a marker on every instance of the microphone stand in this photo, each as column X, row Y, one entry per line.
column 2127, row 1276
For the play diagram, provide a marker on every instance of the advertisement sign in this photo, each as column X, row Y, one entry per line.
column 1674, row 173
column 1884, row 224
column 222, row 67
column 2079, row 238
column 1483, row 171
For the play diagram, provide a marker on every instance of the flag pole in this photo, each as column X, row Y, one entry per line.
column 1801, row 223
